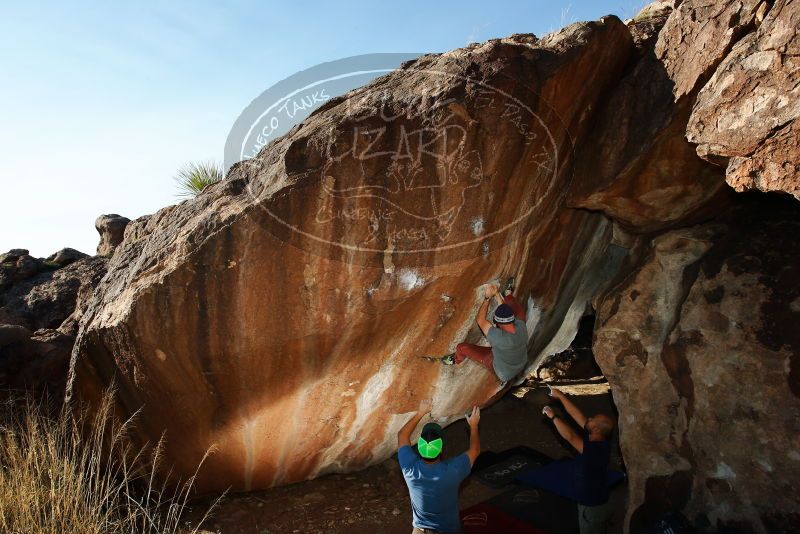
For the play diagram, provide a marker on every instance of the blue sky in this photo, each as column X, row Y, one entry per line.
column 101, row 102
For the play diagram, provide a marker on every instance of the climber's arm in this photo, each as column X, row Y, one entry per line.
column 564, row 430
column 484, row 323
column 568, row 434
column 404, row 436
column 571, row 409
column 474, row 439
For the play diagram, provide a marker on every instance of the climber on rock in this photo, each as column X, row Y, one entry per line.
column 507, row 354
column 432, row 482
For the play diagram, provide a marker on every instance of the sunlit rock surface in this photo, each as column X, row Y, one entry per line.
column 699, row 34
column 748, row 112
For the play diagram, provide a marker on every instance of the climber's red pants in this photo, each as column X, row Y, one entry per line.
column 483, row 355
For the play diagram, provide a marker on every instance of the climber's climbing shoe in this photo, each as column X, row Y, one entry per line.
column 449, row 359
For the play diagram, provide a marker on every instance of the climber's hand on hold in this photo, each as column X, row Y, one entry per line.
column 490, row 290
column 425, row 405
column 556, row 393
column 548, row 412
column 573, row 411
column 474, row 418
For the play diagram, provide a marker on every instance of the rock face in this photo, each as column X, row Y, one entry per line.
column 699, row 343
column 698, row 35
column 65, row 256
column 41, row 303
column 638, row 168
column 17, row 265
column 112, row 231
column 282, row 316
column 748, row 113
column 49, row 299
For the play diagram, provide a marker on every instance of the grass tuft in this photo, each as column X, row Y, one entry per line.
column 193, row 178
column 54, row 477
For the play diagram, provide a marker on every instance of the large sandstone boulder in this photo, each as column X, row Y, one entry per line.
column 281, row 315
column 700, row 346
column 747, row 115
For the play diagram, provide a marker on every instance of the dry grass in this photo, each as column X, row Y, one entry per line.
column 53, row 477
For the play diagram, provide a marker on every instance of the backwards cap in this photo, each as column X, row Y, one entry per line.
column 430, row 443
column 504, row 314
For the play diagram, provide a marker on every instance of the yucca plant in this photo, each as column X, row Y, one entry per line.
column 192, row 178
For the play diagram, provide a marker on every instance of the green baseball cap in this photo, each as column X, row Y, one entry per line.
column 430, row 443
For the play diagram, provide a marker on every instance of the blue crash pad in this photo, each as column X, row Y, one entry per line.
column 557, row 477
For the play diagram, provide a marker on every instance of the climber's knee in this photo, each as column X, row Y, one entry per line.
column 461, row 352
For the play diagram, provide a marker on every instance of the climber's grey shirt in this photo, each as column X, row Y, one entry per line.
column 509, row 351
